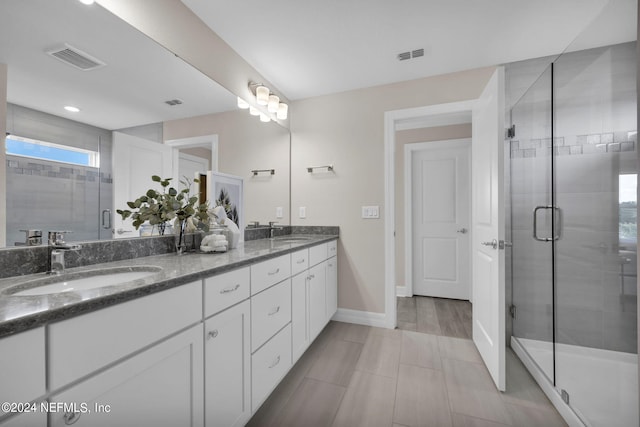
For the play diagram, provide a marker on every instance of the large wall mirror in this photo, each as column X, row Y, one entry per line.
column 131, row 91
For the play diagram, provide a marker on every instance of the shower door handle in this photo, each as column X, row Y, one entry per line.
column 106, row 219
column 558, row 212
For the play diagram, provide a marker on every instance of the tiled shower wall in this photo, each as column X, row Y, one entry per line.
column 48, row 195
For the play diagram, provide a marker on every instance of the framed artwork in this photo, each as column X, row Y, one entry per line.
column 227, row 190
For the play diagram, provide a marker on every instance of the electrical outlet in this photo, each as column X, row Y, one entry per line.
column 302, row 212
column 279, row 212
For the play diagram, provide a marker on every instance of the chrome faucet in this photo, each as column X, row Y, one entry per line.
column 272, row 228
column 57, row 248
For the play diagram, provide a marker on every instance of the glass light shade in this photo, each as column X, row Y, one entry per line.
column 262, row 95
column 264, row 118
column 242, row 104
column 272, row 107
column 283, row 110
column 254, row 111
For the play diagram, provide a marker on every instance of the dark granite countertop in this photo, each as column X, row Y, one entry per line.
column 20, row 313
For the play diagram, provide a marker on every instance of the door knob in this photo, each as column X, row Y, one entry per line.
column 493, row 244
column 462, row 231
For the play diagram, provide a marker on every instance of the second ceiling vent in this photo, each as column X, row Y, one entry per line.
column 76, row 58
column 411, row 54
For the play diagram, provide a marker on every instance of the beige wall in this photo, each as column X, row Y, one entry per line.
column 245, row 143
column 3, row 157
column 437, row 133
column 347, row 130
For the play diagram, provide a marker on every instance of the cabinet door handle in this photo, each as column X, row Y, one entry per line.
column 276, row 271
column 275, row 363
column 212, row 334
column 274, row 311
column 230, row 289
column 311, row 276
column 301, row 261
column 330, row 265
column 71, row 417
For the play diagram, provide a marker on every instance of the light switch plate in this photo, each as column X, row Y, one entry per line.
column 279, row 212
column 302, row 212
column 370, row 212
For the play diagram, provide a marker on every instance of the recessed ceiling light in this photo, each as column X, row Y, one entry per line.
column 87, row 2
column 72, row 109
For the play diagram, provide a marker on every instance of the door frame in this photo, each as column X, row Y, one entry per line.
column 206, row 141
column 439, row 114
column 409, row 151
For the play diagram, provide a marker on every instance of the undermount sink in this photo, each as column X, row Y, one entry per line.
column 81, row 281
column 290, row 239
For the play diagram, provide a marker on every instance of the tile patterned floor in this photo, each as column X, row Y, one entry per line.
column 355, row 375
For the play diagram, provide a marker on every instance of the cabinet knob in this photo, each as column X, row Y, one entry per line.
column 274, row 311
column 275, row 363
column 71, row 417
column 230, row 289
column 212, row 334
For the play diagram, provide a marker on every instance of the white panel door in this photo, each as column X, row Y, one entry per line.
column 191, row 167
column 440, row 204
column 488, row 227
column 135, row 161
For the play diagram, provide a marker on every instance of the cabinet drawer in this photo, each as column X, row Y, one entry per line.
column 269, row 365
column 225, row 290
column 267, row 273
column 332, row 248
column 270, row 311
column 299, row 261
column 22, row 367
column 317, row 254
column 83, row 344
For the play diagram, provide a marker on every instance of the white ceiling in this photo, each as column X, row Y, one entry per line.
column 304, row 48
column 313, row 48
column 129, row 91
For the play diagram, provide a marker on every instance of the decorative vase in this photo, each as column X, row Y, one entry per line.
column 181, row 245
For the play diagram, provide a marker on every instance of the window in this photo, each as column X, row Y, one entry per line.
column 627, row 208
column 25, row 147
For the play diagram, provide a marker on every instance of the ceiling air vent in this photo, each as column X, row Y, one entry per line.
column 173, row 102
column 410, row 54
column 76, row 58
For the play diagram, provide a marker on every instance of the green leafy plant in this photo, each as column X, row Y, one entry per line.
column 158, row 208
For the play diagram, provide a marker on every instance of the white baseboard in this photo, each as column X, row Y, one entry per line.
column 361, row 317
column 401, row 291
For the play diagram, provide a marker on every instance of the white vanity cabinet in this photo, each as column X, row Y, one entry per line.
column 332, row 286
column 81, row 345
column 161, row 386
column 314, row 295
column 22, row 375
column 228, row 367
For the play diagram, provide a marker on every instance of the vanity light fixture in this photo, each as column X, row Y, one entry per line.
column 242, row 104
column 272, row 106
column 262, row 95
column 283, row 110
column 265, row 97
column 72, row 109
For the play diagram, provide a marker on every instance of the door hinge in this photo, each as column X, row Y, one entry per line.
column 512, row 311
column 511, row 132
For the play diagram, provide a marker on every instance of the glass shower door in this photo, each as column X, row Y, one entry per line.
column 595, row 258
column 532, row 227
